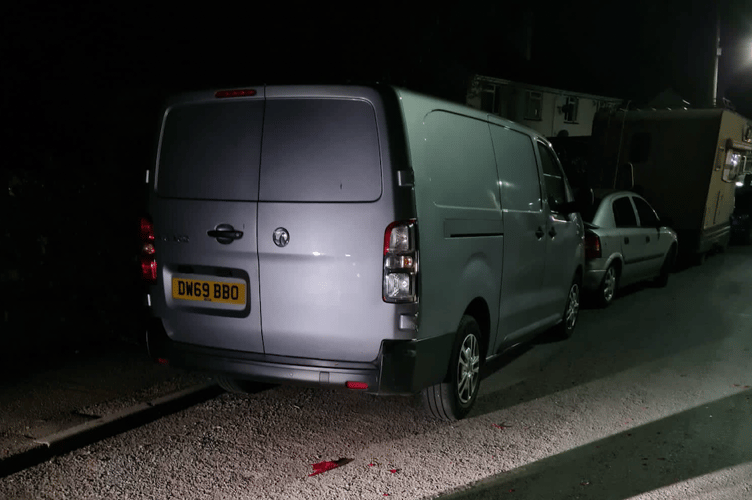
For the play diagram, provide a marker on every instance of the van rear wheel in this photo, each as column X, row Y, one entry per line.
column 453, row 398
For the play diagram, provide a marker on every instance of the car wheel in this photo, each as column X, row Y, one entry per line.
column 239, row 386
column 666, row 268
column 607, row 290
column 565, row 329
column 452, row 399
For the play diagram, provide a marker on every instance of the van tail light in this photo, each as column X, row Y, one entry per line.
column 592, row 246
column 147, row 257
column 401, row 262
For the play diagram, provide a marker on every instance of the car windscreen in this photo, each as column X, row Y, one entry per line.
column 211, row 151
column 320, row 150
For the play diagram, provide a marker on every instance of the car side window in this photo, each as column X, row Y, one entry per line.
column 556, row 186
column 624, row 215
column 647, row 215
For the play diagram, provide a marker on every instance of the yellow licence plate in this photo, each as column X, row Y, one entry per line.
column 208, row 291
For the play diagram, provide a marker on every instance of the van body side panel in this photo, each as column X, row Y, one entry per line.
column 459, row 216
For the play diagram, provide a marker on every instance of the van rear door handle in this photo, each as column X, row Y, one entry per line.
column 225, row 234
column 626, row 241
column 539, row 232
column 647, row 239
column 552, row 231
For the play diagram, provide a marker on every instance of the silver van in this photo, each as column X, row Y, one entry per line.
column 364, row 238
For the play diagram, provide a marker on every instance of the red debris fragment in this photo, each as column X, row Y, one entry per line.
column 511, row 490
column 326, row 465
column 393, row 470
column 502, row 425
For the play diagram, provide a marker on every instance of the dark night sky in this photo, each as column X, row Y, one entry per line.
column 68, row 67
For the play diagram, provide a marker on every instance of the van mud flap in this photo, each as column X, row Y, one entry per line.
column 409, row 366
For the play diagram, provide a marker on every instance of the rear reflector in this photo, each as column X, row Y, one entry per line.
column 235, row 93
column 163, row 361
column 356, row 385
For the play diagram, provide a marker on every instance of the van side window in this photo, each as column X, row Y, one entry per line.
column 556, row 187
column 624, row 215
column 648, row 218
column 518, row 173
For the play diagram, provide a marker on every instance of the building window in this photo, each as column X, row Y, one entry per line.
column 487, row 97
column 570, row 110
column 491, row 98
column 533, row 106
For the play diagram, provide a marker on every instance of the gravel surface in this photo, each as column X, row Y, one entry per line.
column 649, row 400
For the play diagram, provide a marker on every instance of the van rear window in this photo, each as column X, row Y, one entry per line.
column 211, row 151
column 320, row 150
column 290, row 150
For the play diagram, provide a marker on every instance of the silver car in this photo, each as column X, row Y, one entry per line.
column 625, row 242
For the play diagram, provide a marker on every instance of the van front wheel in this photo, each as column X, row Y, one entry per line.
column 453, row 398
column 565, row 329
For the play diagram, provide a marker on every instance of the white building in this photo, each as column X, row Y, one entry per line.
column 548, row 111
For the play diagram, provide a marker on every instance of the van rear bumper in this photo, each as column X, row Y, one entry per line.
column 402, row 367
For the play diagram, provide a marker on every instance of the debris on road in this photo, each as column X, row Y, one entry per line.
column 327, row 465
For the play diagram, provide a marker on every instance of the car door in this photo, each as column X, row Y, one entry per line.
column 521, row 299
column 655, row 246
column 564, row 234
column 631, row 239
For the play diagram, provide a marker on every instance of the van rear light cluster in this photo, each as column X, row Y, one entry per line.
column 592, row 246
column 400, row 262
column 148, row 260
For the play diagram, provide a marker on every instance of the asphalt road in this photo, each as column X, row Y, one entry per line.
column 649, row 400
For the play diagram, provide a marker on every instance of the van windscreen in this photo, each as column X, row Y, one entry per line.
column 211, row 151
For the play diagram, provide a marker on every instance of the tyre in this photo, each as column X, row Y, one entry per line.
column 453, row 398
column 666, row 268
column 239, row 386
column 607, row 291
column 565, row 329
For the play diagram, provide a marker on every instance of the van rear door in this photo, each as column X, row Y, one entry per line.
column 320, row 234
column 205, row 211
